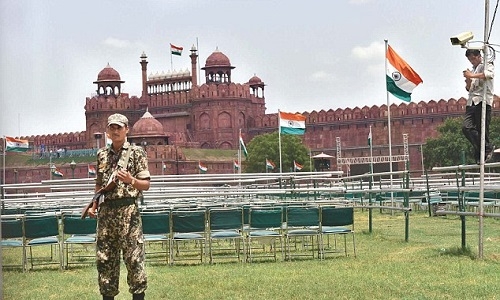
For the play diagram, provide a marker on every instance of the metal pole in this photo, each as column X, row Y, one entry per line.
column 50, row 164
column 428, row 193
column 389, row 127
column 483, row 132
column 422, row 157
column 407, row 202
column 176, row 162
column 461, row 204
column 4, row 152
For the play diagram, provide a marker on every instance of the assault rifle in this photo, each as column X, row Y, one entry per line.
column 100, row 195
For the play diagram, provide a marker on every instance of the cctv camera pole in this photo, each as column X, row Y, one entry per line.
column 483, row 133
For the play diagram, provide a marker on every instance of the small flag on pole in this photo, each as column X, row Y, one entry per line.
column 297, row 166
column 57, row 173
column 92, row 170
column 291, row 123
column 236, row 165
column 16, row 145
column 202, row 168
column 270, row 165
column 176, row 50
column 401, row 78
column 243, row 147
column 370, row 137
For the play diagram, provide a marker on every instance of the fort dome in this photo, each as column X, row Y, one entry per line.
column 147, row 125
column 217, row 59
column 254, row 80
column 108, row 74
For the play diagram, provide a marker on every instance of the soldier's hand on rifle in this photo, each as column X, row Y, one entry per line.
column 93, row 210
column 125, row 176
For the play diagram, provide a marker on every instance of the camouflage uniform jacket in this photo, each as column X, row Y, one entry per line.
column 107, row 161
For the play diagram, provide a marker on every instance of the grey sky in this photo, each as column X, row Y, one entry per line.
column 312, row 55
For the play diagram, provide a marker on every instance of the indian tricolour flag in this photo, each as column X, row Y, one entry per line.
column 202, row 168
column 57, row 173
column 297, row 166
column 291, row 123
column 16, row 145
column 176, row 50
column 270, row 165
column 400, row 77
column 236, row 165
column 243, row 147
column 92, row 170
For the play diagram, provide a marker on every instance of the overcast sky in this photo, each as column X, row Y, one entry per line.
column 311, row 55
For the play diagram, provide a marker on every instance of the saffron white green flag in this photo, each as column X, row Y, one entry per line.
column 243, row 147
column 297, row 166
column 202, row 168
column 270, row 164
column 176, row 50
column 401, row 79
column 57, row 173
column 91, row 170
column 16, row 145
column 291, row 123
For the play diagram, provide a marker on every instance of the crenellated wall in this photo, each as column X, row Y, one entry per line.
column 211, row 115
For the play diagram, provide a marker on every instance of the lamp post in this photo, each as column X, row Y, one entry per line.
column 72, row 165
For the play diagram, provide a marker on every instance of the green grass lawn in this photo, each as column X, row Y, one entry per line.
column 431, row 265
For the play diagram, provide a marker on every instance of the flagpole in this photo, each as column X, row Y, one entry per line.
column 371, row 150
column 4, row 146
column 279, row 140
column 310, row 160
column 171, row 61
column 483, row 131
column 239, row 153
column 389, row 125
column 240, row 138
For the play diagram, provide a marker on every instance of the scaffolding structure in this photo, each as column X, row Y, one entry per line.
column 348, row 161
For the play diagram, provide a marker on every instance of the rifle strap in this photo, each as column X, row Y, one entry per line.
column 123, row 162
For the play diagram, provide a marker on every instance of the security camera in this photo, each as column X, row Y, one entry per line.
column 461, row 38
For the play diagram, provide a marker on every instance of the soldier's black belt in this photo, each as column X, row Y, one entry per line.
column 115, row 203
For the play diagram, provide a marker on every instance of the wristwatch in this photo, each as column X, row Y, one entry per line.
column 132, row 182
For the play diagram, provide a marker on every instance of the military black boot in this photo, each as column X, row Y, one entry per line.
column 108, row 298
column 138, row 296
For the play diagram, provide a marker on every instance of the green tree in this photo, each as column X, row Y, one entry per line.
column 446, row 149
column 267, row 146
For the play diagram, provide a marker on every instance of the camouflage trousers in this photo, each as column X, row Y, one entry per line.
column 120, row 229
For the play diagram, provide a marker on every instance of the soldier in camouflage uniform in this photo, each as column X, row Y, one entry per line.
column 119, row 226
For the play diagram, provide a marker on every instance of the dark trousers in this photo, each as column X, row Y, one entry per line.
column 471, row 128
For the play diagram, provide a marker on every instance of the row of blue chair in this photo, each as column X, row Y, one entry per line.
column 30, row 231
column 190, row 234
column 247, row 231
